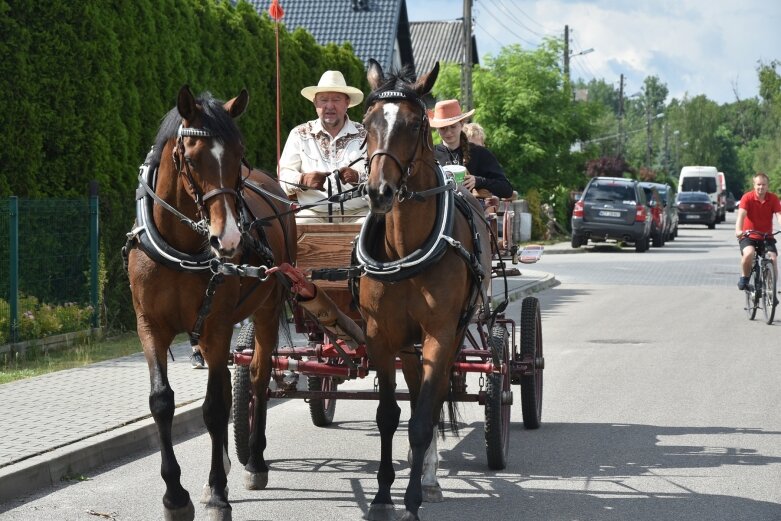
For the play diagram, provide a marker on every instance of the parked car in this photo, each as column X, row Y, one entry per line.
column 696, row 208
column 731, row 202
column 612, row 208
column 658, row 215
column 667, row 194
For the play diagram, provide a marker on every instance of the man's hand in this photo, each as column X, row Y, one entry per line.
column 349, row 175
column 469, row 181
column 314, row 180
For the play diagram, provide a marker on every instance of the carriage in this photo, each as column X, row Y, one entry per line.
column 507, row 353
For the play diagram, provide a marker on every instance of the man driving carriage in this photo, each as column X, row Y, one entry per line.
column 327, row 155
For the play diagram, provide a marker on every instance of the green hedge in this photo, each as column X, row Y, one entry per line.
column 85, row 84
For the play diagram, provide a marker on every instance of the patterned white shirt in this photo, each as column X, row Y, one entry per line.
column 310, row 148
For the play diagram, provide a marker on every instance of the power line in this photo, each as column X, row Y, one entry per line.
column 510, row 31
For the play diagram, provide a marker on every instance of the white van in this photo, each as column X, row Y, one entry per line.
column 703, row 179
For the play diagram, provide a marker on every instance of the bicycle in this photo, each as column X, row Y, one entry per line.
column 761, row 288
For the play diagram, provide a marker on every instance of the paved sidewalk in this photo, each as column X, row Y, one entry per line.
column 65, row 423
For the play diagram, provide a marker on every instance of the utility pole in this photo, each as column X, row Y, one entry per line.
column 566, row 52
column 466, row 72
column 620, row 117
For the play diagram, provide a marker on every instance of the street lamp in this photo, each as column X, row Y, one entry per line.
column 567, row 57
column 649, row 136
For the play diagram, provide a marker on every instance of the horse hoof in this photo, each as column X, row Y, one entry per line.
column 381, row 512
column 409, row 516
column 255, row 480
column 206, row 493
column 432, row 494
column 220, row 514
column 185, row 513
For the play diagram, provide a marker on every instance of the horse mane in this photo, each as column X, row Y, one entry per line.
column 213, row 117
column 399, row 80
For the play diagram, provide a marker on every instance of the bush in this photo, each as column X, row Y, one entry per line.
column 534, row 200
column 38, row 320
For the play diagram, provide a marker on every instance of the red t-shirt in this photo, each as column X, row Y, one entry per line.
column 759, row 214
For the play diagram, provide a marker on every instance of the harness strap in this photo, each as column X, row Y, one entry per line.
column 203, row 312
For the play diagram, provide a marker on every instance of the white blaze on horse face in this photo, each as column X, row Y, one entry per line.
column 390, row 111
column 231, row 236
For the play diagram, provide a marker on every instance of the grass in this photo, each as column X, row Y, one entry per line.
column 36, row 363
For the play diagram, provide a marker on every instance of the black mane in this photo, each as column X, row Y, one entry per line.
column 214, row 117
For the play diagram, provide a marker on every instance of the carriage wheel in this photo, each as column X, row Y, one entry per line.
column 243, row 407
column 531, row 347
column 497, row 410
column 768, row 291
column 322, row 410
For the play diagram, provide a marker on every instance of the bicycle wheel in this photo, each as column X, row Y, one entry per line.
column 751, row 294
column 768, row 290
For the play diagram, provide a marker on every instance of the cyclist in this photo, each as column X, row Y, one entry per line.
column 755, row 212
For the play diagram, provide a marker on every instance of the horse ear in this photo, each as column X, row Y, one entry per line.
column 374, row 74
column 185, row 102
column 424, row 84
column 237, row 105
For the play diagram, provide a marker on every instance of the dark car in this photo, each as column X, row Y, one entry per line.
column 696, row 208
column 612, row 208
column 731, row 202
column 658, row 215
column 667, row 194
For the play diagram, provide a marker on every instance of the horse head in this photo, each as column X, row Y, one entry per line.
column 207, row 157
column 397, row 132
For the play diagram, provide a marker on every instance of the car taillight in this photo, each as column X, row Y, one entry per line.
column 577, row 211
column 640, row 213
column 708, row 207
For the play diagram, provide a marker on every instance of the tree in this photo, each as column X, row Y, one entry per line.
column 526, row 106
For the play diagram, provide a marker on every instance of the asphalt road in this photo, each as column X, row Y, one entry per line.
column 661, row 403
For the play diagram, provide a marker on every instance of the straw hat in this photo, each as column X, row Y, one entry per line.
column 333, row 81
column 448, row 112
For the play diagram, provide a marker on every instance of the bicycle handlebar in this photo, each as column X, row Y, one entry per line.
column 764, row 235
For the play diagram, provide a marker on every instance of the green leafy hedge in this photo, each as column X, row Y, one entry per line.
column 85, row 85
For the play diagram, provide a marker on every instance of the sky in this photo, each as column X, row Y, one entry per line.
column 710, row 47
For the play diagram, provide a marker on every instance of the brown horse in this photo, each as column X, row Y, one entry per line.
column 197, row 264
column 425, row 251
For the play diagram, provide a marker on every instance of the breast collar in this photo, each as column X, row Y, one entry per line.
column 149, row 237
column 430, row 252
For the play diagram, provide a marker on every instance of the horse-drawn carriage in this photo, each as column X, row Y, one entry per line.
column 216, row 242
column 507, row 352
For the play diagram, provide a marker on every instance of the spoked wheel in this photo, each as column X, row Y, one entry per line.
column 321, row 410
column 531, row 347
column 243, row 407
column 498, row 403
column 768, row 291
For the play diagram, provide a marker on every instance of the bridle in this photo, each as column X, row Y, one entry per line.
column 184, row 172
column 396, row 96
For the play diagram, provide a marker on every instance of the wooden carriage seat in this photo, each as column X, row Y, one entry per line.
column 328, row 245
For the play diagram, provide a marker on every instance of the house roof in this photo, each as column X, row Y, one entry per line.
column 439, row 41
column 372, row 27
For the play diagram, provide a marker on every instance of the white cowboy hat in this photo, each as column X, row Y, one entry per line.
column 333, row 81
column 446, row 113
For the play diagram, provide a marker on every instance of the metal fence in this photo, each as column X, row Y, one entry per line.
column 48, row 266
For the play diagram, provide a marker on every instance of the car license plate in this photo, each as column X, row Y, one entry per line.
column 605, row 213
column 693, row 216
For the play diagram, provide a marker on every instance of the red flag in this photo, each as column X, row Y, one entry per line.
column 275, row 11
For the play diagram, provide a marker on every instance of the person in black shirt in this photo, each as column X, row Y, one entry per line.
column 483, row 169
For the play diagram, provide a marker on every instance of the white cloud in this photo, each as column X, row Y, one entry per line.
column 694, row 46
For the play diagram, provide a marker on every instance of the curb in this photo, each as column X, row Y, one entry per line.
column 44, row 470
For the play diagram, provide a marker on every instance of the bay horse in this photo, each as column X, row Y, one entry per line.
column 425, row 251
column 196, row 205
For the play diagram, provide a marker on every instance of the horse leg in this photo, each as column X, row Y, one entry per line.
column 216, row 407
column 411, row 367
column 266, row 337
column 421, row 426
column 388, row 413
column 176, row 500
